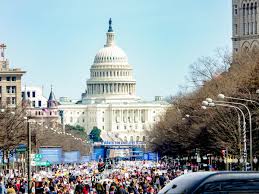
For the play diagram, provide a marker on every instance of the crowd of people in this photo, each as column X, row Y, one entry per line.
column 125, row 177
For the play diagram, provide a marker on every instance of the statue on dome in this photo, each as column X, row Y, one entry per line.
column 110, row 25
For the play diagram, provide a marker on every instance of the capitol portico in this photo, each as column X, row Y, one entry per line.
column 110, row 102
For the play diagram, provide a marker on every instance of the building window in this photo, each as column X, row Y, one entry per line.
column 83, row 120
column 125, row 127
column 8, row 89
column 255, row 27
column 13, row 89
column 13, row 79
column 103, row 119
column 39, row 103
column 244, row 28
column 118, row 127
column 33, row 103
column 103, row 127
column 131, row 138
column 137, row 139
column 28, row 94
column 13, row 100
column 33, row 94
column 0, row 89
column 22, row 94
column 235, row 9
column 8, row 78
column 0, row 78
column 144, row 138
column 235, row 29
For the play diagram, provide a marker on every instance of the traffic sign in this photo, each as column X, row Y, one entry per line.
column 46, row 163
column 38, row 156
column 21, row 148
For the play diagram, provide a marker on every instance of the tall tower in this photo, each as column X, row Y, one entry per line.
column 245, row 19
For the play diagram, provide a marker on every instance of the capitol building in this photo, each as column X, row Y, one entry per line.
column 110, row 102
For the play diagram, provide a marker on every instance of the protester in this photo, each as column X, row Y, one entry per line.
column 125, row 177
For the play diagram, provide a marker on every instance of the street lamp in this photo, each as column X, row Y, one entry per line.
column 212, row 104
column 29, row 153
column 222, row 96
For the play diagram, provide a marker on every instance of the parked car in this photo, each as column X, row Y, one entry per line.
column 214, row 182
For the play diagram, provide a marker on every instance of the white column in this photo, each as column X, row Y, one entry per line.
column 113, row 88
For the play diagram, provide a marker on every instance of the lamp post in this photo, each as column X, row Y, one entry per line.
column 222, row 96
column 29, row 154
column 212, row 104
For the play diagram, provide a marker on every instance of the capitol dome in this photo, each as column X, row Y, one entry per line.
column 111, row 76
column 111, row 54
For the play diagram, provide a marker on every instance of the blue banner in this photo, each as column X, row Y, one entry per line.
column 85, row 159
column 153, row 156
column 53, row 155
column 98, row 152
column 137, row 153
column 71, row 157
